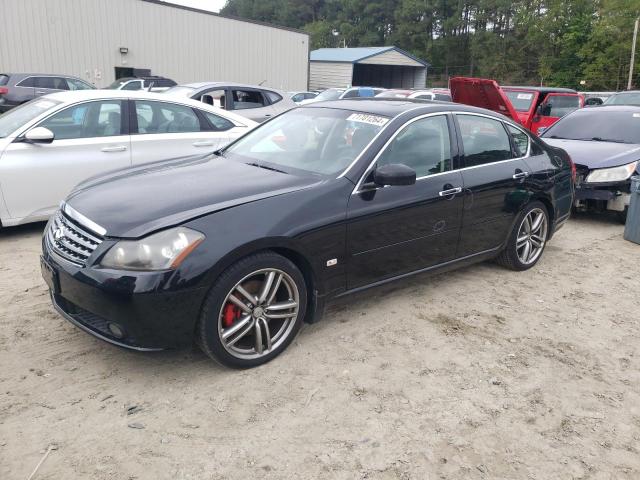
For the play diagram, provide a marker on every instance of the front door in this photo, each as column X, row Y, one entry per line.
column 250, row 103
column 554, row 107
column 494, row 177
column 396, row 230
column 90, row 138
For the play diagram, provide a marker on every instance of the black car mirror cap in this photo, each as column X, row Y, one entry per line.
column 394, row 174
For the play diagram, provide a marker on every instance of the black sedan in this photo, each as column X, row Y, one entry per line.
column 238, row 248
column 604, row 143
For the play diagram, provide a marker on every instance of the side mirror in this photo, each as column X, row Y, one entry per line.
column 39, row 135
column 394, row 174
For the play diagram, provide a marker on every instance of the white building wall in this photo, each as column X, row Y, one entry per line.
column 330, row 75
column 83, row 38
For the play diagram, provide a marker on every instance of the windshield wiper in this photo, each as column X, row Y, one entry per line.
column 266, row 168
column 600, row 139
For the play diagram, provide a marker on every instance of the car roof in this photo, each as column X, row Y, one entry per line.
column 611, row 108
column 392, row 107
column 199, row 85
column 25, row 75
column 541, row 89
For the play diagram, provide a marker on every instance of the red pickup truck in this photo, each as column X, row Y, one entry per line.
column 536, row 108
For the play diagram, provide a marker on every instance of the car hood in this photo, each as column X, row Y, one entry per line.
column 593, row 154
column 134, row 202
column 483, row 93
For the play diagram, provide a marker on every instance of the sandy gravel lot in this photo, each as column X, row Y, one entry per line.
column 481, row 374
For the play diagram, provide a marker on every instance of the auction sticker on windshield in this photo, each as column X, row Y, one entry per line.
column 525, row 96
column 376, row 120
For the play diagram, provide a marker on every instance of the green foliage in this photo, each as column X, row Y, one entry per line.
column 551, row 42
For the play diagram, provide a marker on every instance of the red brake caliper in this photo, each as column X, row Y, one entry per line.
column 230, row 314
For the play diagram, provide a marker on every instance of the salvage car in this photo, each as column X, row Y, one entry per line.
column 50, row 144
column 536, row 108
column 434, row 94
column 151, row 83
column 604, row 143
column 239, row 248
column 630, row 97
column 254, row 102
column 344, row 93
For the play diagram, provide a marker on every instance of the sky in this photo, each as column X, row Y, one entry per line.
column 211, row 5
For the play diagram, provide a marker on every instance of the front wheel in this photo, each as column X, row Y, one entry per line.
column 528, row 239
column 253, row 311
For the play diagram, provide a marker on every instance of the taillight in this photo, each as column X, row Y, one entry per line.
column 3, row 90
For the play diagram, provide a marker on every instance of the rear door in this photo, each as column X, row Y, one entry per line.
column 553, row 108
column 164, row 130
column 90, row 138
column 251, row 103
column 47, row 85
column 494, row 174
column 400, row 229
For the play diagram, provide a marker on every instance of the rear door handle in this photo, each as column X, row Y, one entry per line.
column 119, row 148
column 203, row 143
column 520, row 175
column 450, row 191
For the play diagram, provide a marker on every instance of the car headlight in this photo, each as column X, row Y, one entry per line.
column 615, row 174
column 160, row 251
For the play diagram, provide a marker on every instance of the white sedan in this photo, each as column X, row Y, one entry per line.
column 50, row 144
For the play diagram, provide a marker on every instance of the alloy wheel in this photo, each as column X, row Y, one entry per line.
column 259, row 313
column 532, row 236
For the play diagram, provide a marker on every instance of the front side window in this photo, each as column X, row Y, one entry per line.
column 215, row 98
column 162, row 117
column 17, row 117
column 86, row 120
column 351, row 93
column 315, row 140
column 560, row 105
column 484, row 140
column 245, row 99
column 520, row 140
column 74, row 84
column 423, row 145
column 133, row 85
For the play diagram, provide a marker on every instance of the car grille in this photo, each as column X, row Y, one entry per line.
column 71, row 241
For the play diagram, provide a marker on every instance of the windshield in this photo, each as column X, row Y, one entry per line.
column 521, row 101
column 313, row 140
column 16, row 118
column 630, row 98
column 331, row 94
column 598, row 125
column 181, row 90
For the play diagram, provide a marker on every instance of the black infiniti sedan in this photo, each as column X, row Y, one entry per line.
column 238, row 248
column 604, row 143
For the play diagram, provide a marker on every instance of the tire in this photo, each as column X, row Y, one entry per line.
column 241, row 333
column 514, row 254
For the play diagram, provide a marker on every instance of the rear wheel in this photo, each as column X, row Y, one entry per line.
column 254, row 311
column 528, row 239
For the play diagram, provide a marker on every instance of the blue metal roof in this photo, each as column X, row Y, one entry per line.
column 353, row 55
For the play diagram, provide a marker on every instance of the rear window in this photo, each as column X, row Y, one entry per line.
column 521, row 101
column 631, row 98
column 4, row 79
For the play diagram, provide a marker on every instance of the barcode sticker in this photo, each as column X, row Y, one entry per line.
column 525, row 96
column 376, row 120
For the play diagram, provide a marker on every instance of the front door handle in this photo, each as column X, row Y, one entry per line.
column 450, row 191
column 520, row 175
column 203, row 143
column 40, row 92
column 119, row 148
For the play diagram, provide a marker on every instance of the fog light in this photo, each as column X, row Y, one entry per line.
column 115, row 330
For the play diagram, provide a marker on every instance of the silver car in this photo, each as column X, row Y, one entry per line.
column 51, row 144
column 255, row 102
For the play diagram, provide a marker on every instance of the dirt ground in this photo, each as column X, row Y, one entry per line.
column 478, row 374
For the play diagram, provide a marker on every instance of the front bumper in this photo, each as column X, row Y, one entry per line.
column 608, row 196
column 136, row 310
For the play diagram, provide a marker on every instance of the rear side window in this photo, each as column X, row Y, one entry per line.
column 272, row 96
column 74, row 84
column 484, row 140
column 133, row 85
column 4, row 79
column 218, row 123
column 27, row 82
column 351, row 94
column 51, row 83
column 245, row 99
column 162, row 117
